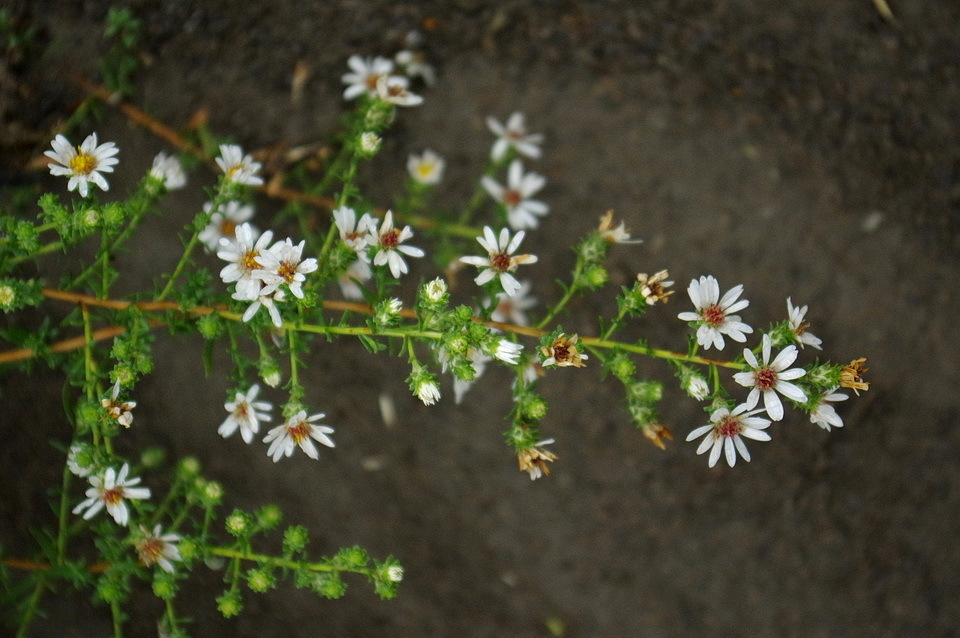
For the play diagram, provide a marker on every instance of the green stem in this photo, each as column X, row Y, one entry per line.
column 117, row 615
column 32, row 606
column 199, row 223
column 283, row 562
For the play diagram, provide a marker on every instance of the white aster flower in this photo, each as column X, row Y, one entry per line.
column 393, row 89
column 83, row 164
column 522, row 212
column 426, row 168
column 500, row 261
column 513, row 135
column 243, row 256
column 111, row 490
column 697, row 387
column 435, row 290
column 533, row 460
column 428, row 391
column 714, row 314
column 395, row 573
column 238, row 168
column 799, row 327
column 825, row 415
column 507, row 351
column 298, row 430
column 167, row 169
column 767, row 379
column 369, row 142
column 364, row 74
column 358, row 271
column 353, row 233
column 283, row 264
column 513, row 309
column 119, row 410
column 157, row 548
column 414, row 65
column 79, row 460
column 726, row 431
column 389, row 243
column 224, row 222
column 246, row 413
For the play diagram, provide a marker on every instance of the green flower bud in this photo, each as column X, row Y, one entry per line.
column 90, row 218
column 260, row 580
column 534, row 407
column 295, row 538
column 188, row 549
column 230, row 604
column 646, row 392
column 269, row 516
column 210, row 326
column 621, row 366
column 110, row 591
column 352, row 557
column 151, row 458
column 188, row 468
column 212, row 493
column 595, row 277
column 269, row 370
column 238, row 523
column 164, row 587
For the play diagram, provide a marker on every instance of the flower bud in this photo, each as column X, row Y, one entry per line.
column 230, row 604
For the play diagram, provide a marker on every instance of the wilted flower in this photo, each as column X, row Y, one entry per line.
column 653, row 287
column 563, row 352
column 533, row 460
column 852, row 376
column 119, row 410
column 618, row 235
column 799, row 326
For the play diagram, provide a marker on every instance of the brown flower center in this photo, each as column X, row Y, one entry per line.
column 150, row 550
column 714, row 316
column 228, row 228
column 500, row 261
column 766, row 378
column 112, row 497
column 511, row 197
column 390, row 239
column 299, row 432
column 287, row 270
column 729, row 426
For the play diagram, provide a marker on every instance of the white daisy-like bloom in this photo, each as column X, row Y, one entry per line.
column 799, row 327
column 615, row 235
column 500, row 261
column 414, row 65
column 246, row 413
column 522, row 212
column 79, row 461
column 428, row 392
column 239, row 168
column 697, row 387
column 157, row 548
column 726, row 432
column 298, row 430
column 507, row 351
column 353, row 233
column 282, row 265
column 83, row 164
column 358, row 271
column 242, row 254
column 435, row 290
column 111, row 490
column 533, row 460
column 395, row 573
column 266, row 300
column 119, row 410
column 393, row 89
column 369, row 142
column 825, row 415
column 426, row 168
column 364, row 74
column 514, row 135
column 767, row 379
column 715, row 314
column 224, row 222
column 389, row 243
column 167, row 169
column 513, row 309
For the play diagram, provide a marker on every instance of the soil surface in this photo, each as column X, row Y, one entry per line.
column 803, row 149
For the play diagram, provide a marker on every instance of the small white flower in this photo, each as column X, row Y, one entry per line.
column 83, row 164
column 435, row 290
column 353, row 233
column 426, row 168
column 157, row 548
column 428, row 392
column 283, row 265
column 7, row 296
column 714, row 314
column 119, row 410
column 370, row 142
column 513, row 309
column 414, row 66
column 358, row 271
column 387, row 310
column 168, row 170
column 395, row 573
column 796, row 315
column 79, row 460
column 696, row 386
column 111, row 490
column 298, row 430
column 522, row 212
column 513, row 135
column 507, row 351
column 238, row 168
column 825, row 415
column 725, row 433
column 770, row 378
column 393, row 89
column 363, row 76
column 246, row 413
column 389, row 243
column 500, row 261
column 242, row 255
column 224, row 222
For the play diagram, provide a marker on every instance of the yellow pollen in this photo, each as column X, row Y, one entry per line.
column 249, row 260
column 112, row 497
column 83, row 164
column 288, row 271
column 228, row 228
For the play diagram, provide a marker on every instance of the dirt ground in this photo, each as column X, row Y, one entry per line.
column 802, row 148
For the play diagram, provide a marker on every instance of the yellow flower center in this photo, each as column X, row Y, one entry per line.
column 83, row 164
column 299, row 432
